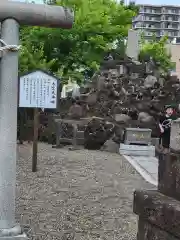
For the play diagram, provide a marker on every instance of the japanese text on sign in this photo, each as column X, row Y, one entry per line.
column 38, row 90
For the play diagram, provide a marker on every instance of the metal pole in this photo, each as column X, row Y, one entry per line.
column 8, row 129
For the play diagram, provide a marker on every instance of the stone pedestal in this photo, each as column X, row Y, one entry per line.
column 138, row 136
column 137, row 142
column 169, row 175
column 159, row 210
column 175, row 136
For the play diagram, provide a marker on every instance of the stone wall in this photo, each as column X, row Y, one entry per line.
column 159, row 210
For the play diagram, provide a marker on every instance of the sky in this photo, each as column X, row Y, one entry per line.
column 155, row 2
column 36, row 1
column 158, row 2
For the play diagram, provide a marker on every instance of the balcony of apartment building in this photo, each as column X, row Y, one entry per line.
column 138, row 18
column 170, row 11
column 141, row 18
column 153, row 27
column 138, row 26
column 149, row 34
column 170, row 34
column 152, row 19
column 150, row 10
column 170, row 26
column 166, row 18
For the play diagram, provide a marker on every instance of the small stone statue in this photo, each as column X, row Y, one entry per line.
column 75, row 111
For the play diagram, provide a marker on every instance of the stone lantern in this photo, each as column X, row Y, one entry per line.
column 175, row 136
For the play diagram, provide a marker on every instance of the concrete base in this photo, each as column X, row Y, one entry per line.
column 15, row 233
column 137, row 150
column 19, row 237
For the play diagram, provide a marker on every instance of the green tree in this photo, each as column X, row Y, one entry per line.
column 157, row 49
column 32, row 58
column 98, row 23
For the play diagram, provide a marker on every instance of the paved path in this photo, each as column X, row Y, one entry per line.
column 146, row 166
column 77, row 195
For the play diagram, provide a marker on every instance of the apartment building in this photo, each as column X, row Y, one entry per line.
column 174, row 50
column 158, row 20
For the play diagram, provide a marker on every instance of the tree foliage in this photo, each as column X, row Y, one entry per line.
column 98, row 23
column 158, row 51
column 32, row 58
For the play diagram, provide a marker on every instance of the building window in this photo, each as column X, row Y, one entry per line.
column 178, row 40
column 173, row 11
column 175, row 18
column 167, row 25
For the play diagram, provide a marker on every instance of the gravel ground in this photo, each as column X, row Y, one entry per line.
column 76, row 195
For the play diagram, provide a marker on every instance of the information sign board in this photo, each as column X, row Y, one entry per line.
column 38, row 90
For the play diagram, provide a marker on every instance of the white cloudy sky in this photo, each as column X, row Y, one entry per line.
column 158, row 2
column 167, row 2
column 36, row 1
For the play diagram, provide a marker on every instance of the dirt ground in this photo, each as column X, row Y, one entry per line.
column 76, row 195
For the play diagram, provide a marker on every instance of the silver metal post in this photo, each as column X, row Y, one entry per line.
column 8, row 130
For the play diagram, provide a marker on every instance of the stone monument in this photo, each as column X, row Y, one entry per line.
column 137, row 142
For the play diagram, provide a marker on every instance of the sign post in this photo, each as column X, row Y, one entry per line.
column 35, row 140
column 37, row 90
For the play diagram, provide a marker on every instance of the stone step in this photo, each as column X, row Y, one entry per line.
column 137, row 150
column 147, row 167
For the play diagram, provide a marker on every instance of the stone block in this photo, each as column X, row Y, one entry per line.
column 159, row 210
column 155, row 141
column 151, row 232
column 135, row 150
column 175, row 135
column 69, row 131
column 138, row 136
column 169, row 175
column 18, row 237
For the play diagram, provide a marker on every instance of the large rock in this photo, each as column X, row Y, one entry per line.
column 92, row 99
column 76, row 111
column 150, row 81
column 123, row 83
column 121, row 118
column 110, row 146
column 145, row 117
column 97, row 132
